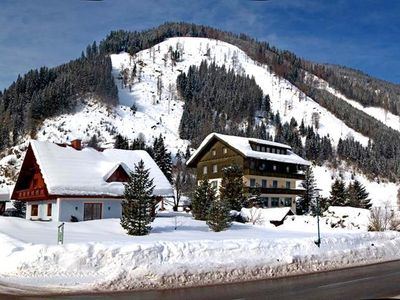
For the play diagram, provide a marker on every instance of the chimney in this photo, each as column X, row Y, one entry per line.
column 76, row 144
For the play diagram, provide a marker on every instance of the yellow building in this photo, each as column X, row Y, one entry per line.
column 270, row 168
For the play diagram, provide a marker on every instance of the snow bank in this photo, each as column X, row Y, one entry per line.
column 99, row 255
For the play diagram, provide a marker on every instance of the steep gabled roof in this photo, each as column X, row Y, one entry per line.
column 242, row 145
column 67, row 171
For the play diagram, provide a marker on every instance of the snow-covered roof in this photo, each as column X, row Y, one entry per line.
column 242, row 144
column 4, row 194
column 67, row 171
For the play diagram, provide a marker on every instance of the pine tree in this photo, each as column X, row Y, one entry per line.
column 138, row 204
column 20, row 208
column 218, row 218
column 121, row 142
column 358, row 196
column 203, row 196
column 306, row 201
column 338, row 194
column 93, row 142
column 231, row 190
column 302, row 128
column 162, row 157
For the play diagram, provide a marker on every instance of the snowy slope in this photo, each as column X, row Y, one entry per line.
column 157, row 114
column 386, row 117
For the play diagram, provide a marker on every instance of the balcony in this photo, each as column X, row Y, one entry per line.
column 35, row 194
column 298, row 175
column 278, row 191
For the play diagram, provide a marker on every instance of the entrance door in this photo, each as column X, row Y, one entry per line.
column 92, row 211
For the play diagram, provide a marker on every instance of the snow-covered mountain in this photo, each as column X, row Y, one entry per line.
column 159, row 107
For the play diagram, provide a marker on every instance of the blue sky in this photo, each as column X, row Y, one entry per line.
column 363, row 34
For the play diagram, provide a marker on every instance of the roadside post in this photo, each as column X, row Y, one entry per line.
column 60, row 236
column 318, row 241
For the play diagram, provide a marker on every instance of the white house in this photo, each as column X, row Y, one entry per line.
column 4, row 198
column 60, row 181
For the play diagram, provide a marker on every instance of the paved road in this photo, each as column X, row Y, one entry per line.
column 368, row 282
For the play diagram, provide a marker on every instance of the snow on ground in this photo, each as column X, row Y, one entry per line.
column 99, row 255
column 381, row 193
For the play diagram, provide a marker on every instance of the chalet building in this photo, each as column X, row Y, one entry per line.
column 59, row 181
column 268, row 167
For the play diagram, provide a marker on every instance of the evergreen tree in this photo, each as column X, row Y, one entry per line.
column 20, row 208
column 203, row 196
column 162, row 157
column 358, row 196
column 302, row 128
column 338, row 193
column 231, row 190
column 121, row 142
column 218, row 218
column 306, row 201
column 93, row 142
column 138, row 204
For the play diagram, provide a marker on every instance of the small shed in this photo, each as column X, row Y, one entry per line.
column 277, row 215
column 4, row 198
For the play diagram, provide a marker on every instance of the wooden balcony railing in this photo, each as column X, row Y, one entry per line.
column 274, row 191
column 30, row 194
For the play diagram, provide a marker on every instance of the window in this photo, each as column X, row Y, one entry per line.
column 263, row 183
column 287, row 169
column 252, row 182
column 225, row 151
column 49, row 209
column 263, row 149
column 214, row 152
column 92, row 211
column 273, row 150
column 274, row 167
column 275, row 184
column 215, row 168
column 268, row 149
column 263, row 201
column 34, row 210
column 274, row 202
column 288, row 184
column 288, row 201
column 205, row 170
column 214, row 184
column 252, row 164
column 258, row 147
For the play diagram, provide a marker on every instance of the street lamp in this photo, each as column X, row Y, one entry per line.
column 318, row 241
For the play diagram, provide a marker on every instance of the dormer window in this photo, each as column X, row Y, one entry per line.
column 268, row 149
column 274, row 167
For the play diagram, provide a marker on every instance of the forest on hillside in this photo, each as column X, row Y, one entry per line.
column 48, row 92
column 44, row 93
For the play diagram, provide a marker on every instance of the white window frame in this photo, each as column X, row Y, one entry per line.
column 215, row 168
column 205, row 170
